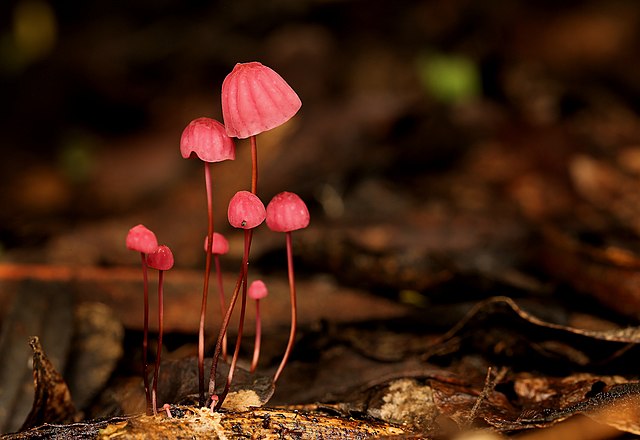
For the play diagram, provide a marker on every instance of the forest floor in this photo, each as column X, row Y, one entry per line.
column 472, row 172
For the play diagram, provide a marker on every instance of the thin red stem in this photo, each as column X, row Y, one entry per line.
column 145, row 334
column 256, row 345
column 225, row 325
column 223, row 331
column 292, row 293
column 254, row 164
column 205, row 288
column 241, row 282
column 216, row 259
column 247, row 246
column 154, row 392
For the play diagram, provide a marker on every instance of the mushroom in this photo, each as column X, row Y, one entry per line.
column 256, row 99
column 246, row 211
column 286, row 212
column 206, row 138
column 257, row 291
column 160, row 259
column 143, row 240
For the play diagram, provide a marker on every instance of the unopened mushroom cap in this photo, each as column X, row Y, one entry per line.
column 287, row 212
column 257, row 290
column 220, row 244
column 246, row 210
column 256, row 99
column 141, row 239
column 207, row 139
column 161, row 258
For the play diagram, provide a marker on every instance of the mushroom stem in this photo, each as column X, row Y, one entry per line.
column 254, row 164
column 216, row 259
column 205, row 288
column 256, row 345
column 145, row 333
column 247, row 245
column 292, row 293
column 216, row 402
column 154, row 392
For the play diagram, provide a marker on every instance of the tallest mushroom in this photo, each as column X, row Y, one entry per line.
column 256, row 99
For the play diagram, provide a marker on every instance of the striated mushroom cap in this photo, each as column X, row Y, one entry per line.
column 141, row 239
column 246, row 210
column 287, row 212
column 161, row 258
column 207, row 139
column 256, row 99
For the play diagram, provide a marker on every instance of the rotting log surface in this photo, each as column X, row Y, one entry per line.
column 196, row 423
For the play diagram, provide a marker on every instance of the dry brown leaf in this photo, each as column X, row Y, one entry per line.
column 52, row 402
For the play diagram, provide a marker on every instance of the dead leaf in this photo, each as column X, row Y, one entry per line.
column 511, row 332
column 38, row 309
column 52, row 402
column 178, row 384
column 596, row 263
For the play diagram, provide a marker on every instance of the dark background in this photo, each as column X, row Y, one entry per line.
column 95, row 95
column 448, row 151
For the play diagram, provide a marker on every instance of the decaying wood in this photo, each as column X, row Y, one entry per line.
column 193, row 423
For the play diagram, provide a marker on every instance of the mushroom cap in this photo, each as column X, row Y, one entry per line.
column 246, row 210
column 219, row 246
column 256, row 99
column 207, row 139
column 257, row 290
column 141, row 239
column 161, row 258
column 287, row 212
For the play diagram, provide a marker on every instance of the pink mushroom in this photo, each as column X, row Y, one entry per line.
column 219, row 247
column 257, row 291
column 256, row 99
column 286, row 212
column 207, row 139
column 246, row 211
column 142, row 240
column 160, row 259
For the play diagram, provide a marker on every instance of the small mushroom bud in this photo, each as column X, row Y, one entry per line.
column 219, row 246
column 287, row 212
column 246, row 211
column 257, row 291
column 160, row 259
column 141, row 239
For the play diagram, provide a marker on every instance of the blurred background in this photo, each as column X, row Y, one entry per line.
column 446, row 149
column 449, row 151
column 95, row 96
